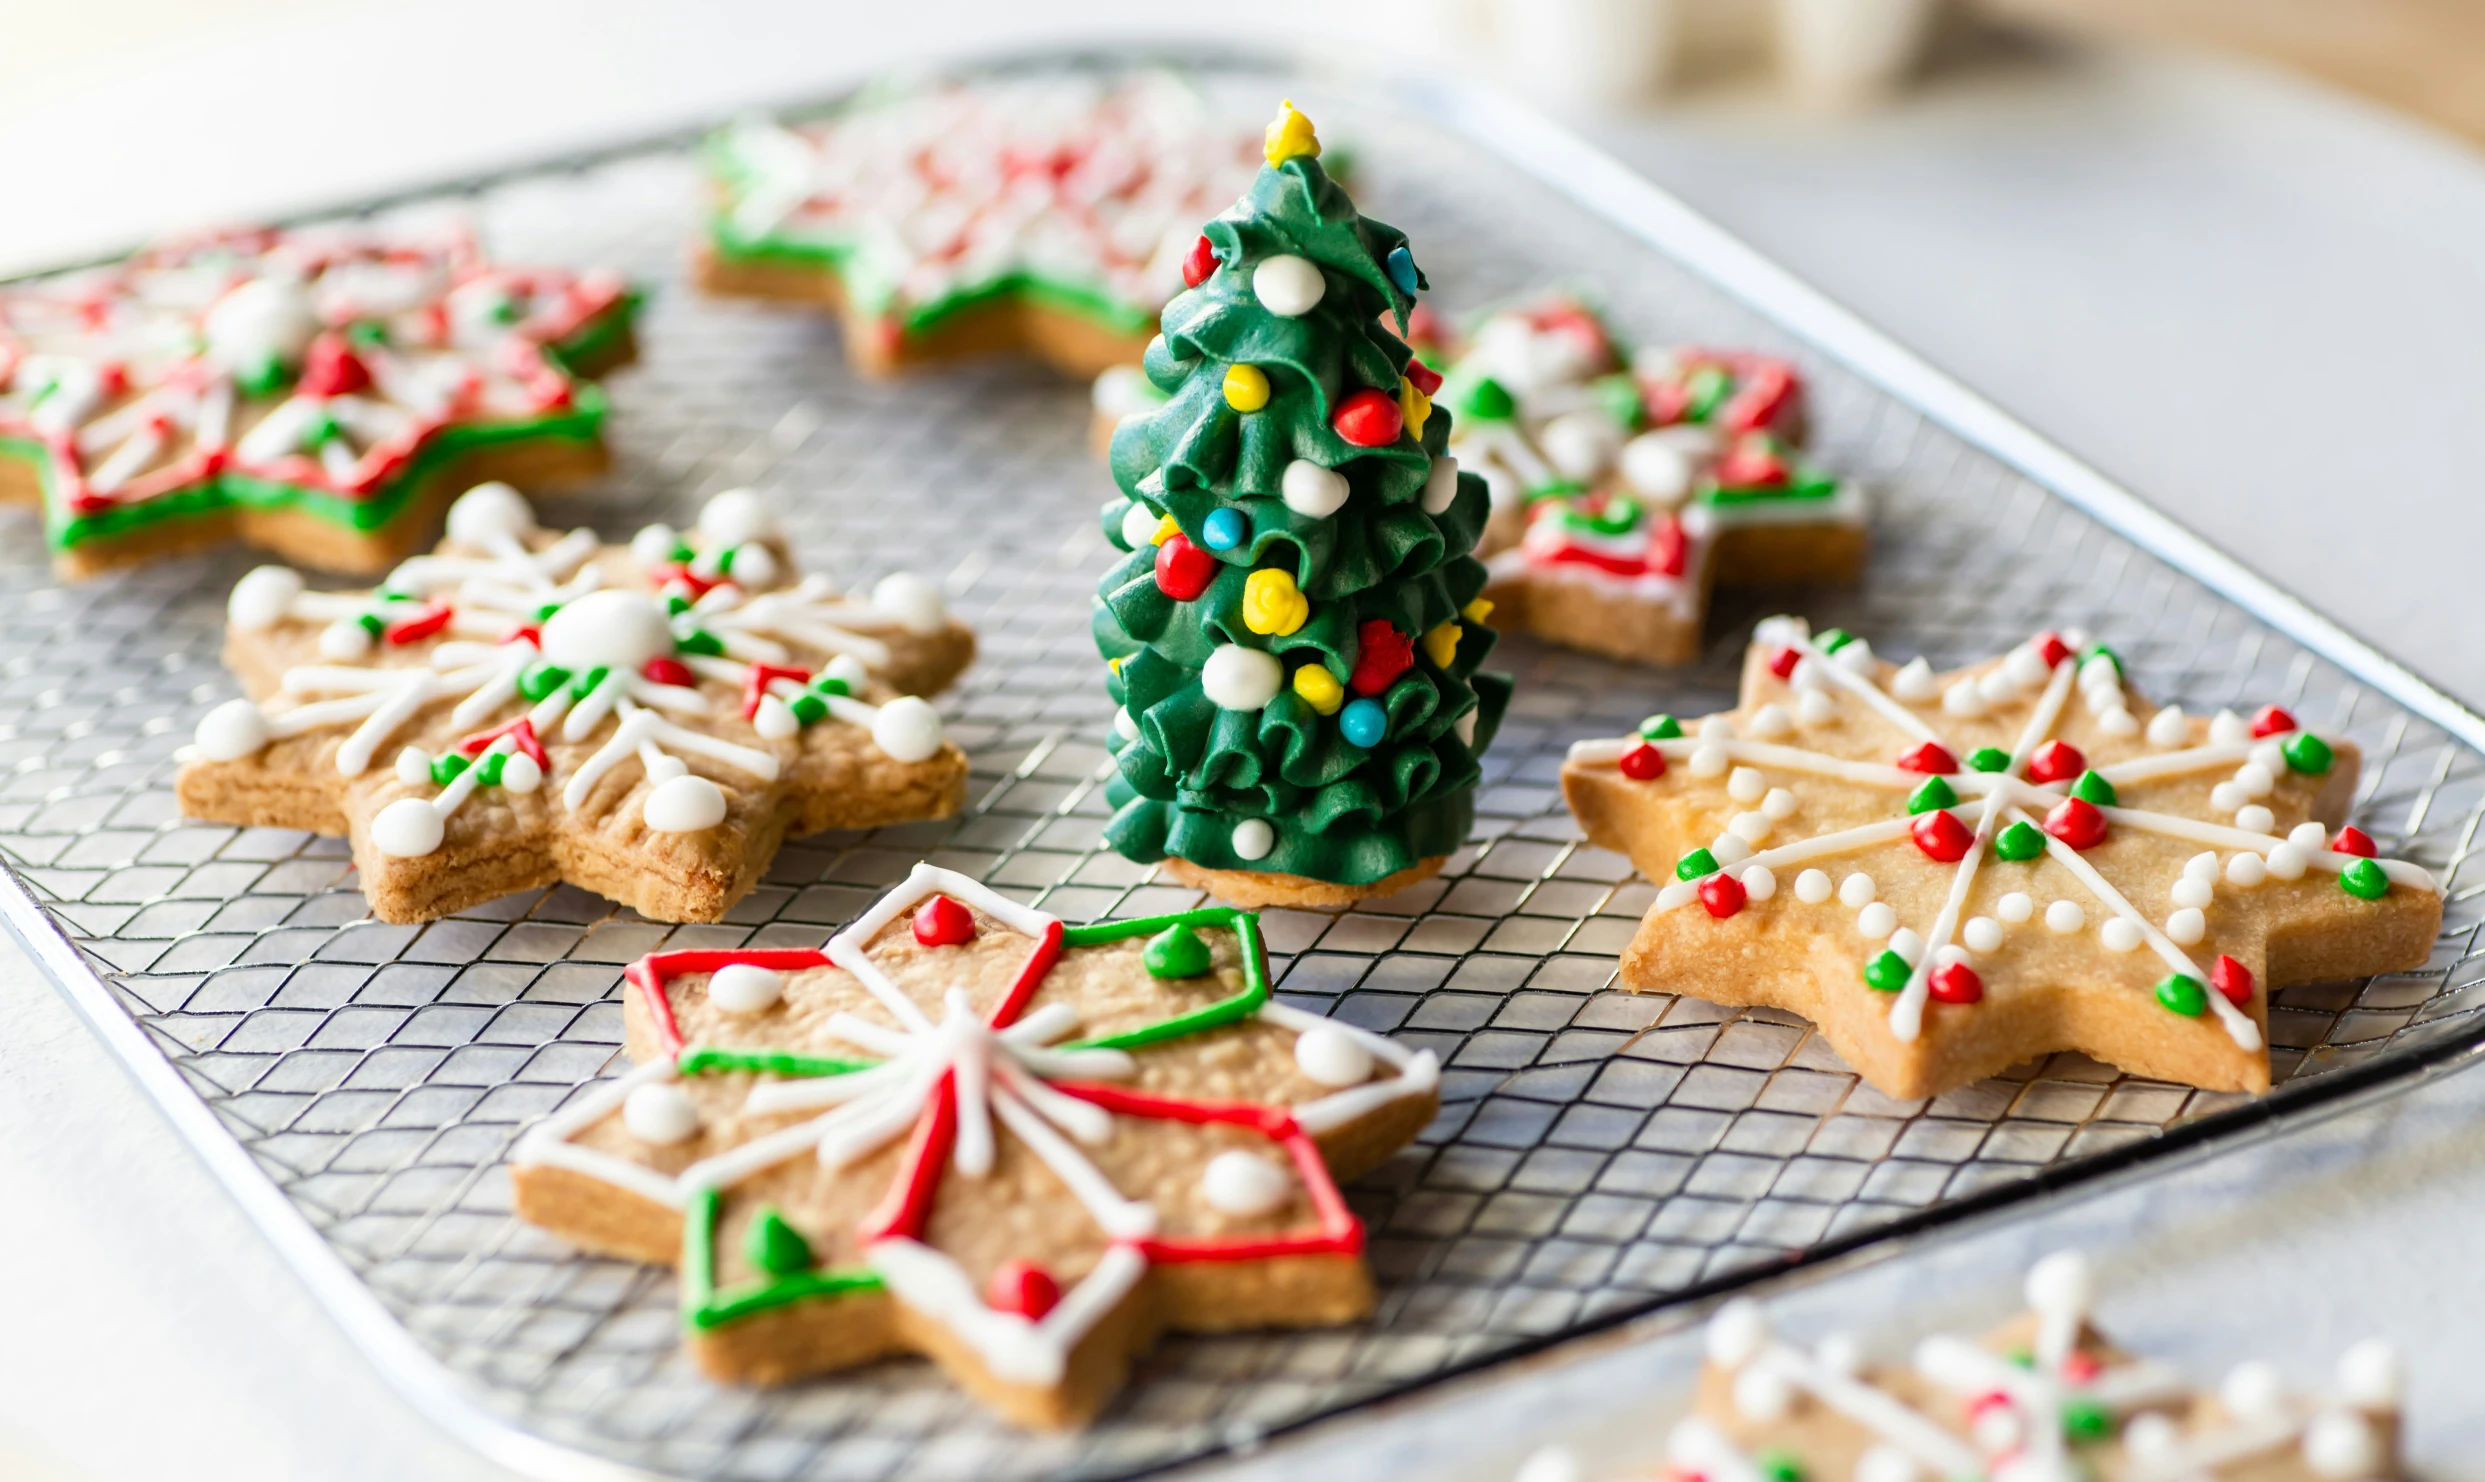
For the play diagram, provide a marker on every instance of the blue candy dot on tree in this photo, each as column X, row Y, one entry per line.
column 1224, row 529
column 1402, row 270
column 1364, row 722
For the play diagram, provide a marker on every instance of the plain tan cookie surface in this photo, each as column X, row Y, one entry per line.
column 1254, row 890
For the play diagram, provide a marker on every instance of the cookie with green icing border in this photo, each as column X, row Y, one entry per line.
column 965, row 1130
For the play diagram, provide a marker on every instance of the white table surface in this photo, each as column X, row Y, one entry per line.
column 2254, row 302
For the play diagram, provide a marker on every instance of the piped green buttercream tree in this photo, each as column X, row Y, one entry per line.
column 1295, row 628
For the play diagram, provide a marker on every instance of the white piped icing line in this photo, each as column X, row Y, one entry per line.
column 504, row 621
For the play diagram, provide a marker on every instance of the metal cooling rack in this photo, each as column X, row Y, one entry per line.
column 1599, row 1153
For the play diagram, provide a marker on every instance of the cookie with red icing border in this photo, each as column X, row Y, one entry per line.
column 1951, row 873
column 648, row 722
column 965, row 1130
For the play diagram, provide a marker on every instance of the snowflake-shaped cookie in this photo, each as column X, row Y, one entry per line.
column 647, row 722
column 1952, row 873
column 318, row 391
column 966, row 1130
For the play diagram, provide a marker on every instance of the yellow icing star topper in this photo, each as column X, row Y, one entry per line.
column 1290, row 135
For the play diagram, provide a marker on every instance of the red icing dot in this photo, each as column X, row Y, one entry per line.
column 2233, row 979
column 1383, row 653
column 1199, row 262
column 1424, row 377
column 1931, row 758
column 331, row 368
column 1369, row 419
column 2055, row 761
column 1643, row 763
column 1023, row 1287
column 2353, row 840
column 942, row 922
column 1941, row 836
column 1955, row 982
column 661, row 670
column 2080, row 1368
column 1722, row 894
column 1783, row 662
column 2269, row 720
column 1751, row 464
column 2050, row 647
column 1183, row 570
column 2076, row 822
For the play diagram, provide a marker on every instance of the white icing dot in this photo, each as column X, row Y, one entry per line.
column 1657, row 470
column 1778, row 804
column 774, row 719
column 2287, row 862
column 2059, row 1285
column 1759, row 883
column 2252, row 1390
column 1441, row 486
column 262, row 598
column 2192, row 894
column 1884, row 1463
column 1747, row 785
column 344, row 640
column 1996, row 1429
column 1736, row 1333
column 1237, row 677
column 2309, row 836
column 2065, row 917
column 1309, row 489
column 408, row 828
column 2226, row 728
column 742, row 988
column 684, row 805
column 1729, row 849
column 1751, row 827
column 1771, row 722
column 1807, row 677
column 2097, row 672
column 1780, row 630
column 2270, row 756
column 2167, row 727
column 1815, row 706
column 2368, row 1375
column 1906, row 943
column 1717, row 728
column 413, row 766
column 1762, row 1393
column 735, row 517
column 1812, row 887
column 915, row 603
column 2120, row 934
column 1580, row 445
column 1253, row 838
column 2341, row 1444
column 260, row 320
column 653, row 545
column 2226, row 797
column 1856, row 891
column 2119, row 724
column 1138, row 526
column 1708, row 761
column 231, row 731
column 2202, row 866
column 2252, row 818
column 1982, row 934
column 660, row 1113
column 1876, row 920
column 1914, row 682
column 1839, row 1353
column 2152, row 1436
column 754, row 565
column 490, row 512
column 1854, row 657
column 1996, row 687
column 907, row 729
column 2246, row 869
column 520, row 775
column 613, row 628
column 2255, row 780
column 2102, row 702
column 850, row 669
column 1332, row 1057
column 1244, row 1184
column 1962, row 700
column 2016, row 906
column 2186, row 927
column 1287, row 285
column 2026, row 667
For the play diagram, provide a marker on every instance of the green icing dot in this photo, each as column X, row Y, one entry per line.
column 2183, row 993
column 775, row 1246
column 809, row 709
column 830, row 684
column 2021, row 1358
column 1660, row 727
column 1887, row 972
column 1489, row 401
column 540, row 679
column 1618, row 396
column 2100, row 651
column 371, row 623
column 583, row 685
column 699, row 641
column 2364, row 880
column 2306, row 752
column 492, row 764
column 724, row 561
column 1176, row 952
column 1988, row 759
column 1781, row 1466
column 1935, row 793
column 446, row 766
column 367, row 332
column 544, row 613
column 676, row 604
column 2021, row 841
column 2086, row 1420
column 1833, row 640
column 264, row 378
column 1698, row 864
column 1707, row 386
column 683, row 555
column 2092, row 787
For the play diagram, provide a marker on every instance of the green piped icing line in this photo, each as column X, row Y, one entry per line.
column 1246, row 929
column 705, row 1307
column 707, row 1060
column 1082, row 299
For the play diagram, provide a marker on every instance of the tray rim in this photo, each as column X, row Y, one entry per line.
column 1554, row 155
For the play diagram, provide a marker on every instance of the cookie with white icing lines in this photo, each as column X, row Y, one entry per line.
column 967, row 1131
column 648, row 722
column 1952, row 873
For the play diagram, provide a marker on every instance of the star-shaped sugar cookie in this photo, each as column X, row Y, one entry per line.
column 1952, row 873
column 968, row 1131
column 648, row 722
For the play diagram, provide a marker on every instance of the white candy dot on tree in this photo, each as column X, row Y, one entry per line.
column 735, row 517
column 1758, row 883
column 1244, row 1184
column 1876, row 920
column 2167, row 727
column 1309, row 490
column 1332, row 1057
column 684, row 805
column 1857, row 891
column 1441, row 486
column 1656, row 470
column 1240, row 678
column 408, row 828
column 613, row 628
column 908, row 729
column 1138, row 526
column 660, row 1113
column 2246, row 869
column 490, row 512
column 1288, row 285
column 741, row 988
column 231, row 731
column 2016, row 906
column 1253, row 838
column 1914, row 682
column 261, row 599
column 1982, row 934
column 914, row 602
column 2253, row 818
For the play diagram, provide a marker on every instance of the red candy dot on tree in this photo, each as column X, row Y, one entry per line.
column 1783, row 662
column 1425, row 378
column 942, row 922
column 1199, row 263
column 1955, row 982
column 2050, row 647
column 1383, row 653
column 2232, row 979
column 662, row 670
column 1023, row 1287
column 1941, row 836
column 2055, row 761
column 2269, row 720
column 331, row 368
column 1369, row 419
column 2355, row 841
column 2076, row 822
column 1931, row 758
column 1643, row 763
column 1722, row 894
column 1183, row 570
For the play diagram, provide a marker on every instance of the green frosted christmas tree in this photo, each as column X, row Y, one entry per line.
column 1295, row 629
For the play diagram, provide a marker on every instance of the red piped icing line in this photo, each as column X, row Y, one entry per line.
column 755, row 687
column 907, row 1207
column 649, row 975
column 1339, row 1232
column 521, row 733
column 422, row 625
column 1031, row 977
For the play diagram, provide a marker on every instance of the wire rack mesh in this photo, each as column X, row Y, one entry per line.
column 1598, row 1151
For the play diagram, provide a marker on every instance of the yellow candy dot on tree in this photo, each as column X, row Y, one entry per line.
column 1246, row 388
column 1476, row 611
column 1166, row 529
column 1414, row 405
column 1442, row 643
column 1272, row 604
column 1319, row 689
column 1289, row 136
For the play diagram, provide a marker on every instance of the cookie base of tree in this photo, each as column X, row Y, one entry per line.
column 1254, row 889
